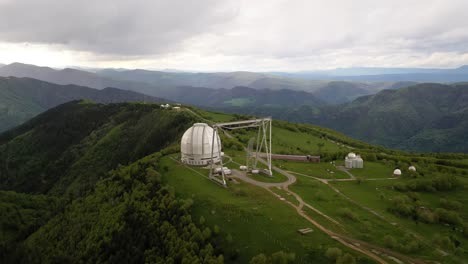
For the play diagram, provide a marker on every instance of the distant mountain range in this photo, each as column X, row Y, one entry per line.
column 385, row 74
column 407, row 115
column 23, row 98
column 161, row 84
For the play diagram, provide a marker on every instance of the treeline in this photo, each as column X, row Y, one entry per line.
column 129, row 218
column 410, row 206
column 436, row 184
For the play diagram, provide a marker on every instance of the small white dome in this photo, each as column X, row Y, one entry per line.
column 397, row 172
column 352, row 155
column 412, row 168
column 197, row 143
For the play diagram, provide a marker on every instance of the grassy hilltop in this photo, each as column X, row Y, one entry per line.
column 88, row 182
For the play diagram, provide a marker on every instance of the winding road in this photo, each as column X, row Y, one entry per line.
column 372, row 251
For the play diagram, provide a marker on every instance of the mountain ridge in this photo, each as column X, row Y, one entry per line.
column 23, row 98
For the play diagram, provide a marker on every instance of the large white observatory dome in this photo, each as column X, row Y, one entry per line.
column 197, row 143
column 397, row 172
column 352, row 155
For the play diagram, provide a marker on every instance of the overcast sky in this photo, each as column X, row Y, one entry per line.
column 224, row 35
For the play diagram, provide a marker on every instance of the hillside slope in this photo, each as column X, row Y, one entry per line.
column 23, row 98
column 86, row 182
column 425, row 117
column 239, row 97
column 71, row 192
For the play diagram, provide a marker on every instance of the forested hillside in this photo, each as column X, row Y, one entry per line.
column 23, row 98
column 67, row 193
column 87, row 182
column 425, row 117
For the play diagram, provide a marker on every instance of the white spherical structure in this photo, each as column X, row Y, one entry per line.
column 197, row 143
column 352, row 155
column 412, row 168
column 397, row 172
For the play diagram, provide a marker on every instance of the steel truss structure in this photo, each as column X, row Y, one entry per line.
column 263, row 142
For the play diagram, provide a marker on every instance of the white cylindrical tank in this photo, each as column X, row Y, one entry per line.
column 255, row 171
column 197, row 143
column 397, row 172
column 349, row 163
column 243, row 168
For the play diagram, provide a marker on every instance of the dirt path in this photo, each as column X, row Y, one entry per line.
column 365, row 248
column 343, row 169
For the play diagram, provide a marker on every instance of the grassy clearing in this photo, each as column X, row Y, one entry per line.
column 291, row 142
column 373, row 170
column 323, row 170
column 378, row 196
column 357, row 221
column 264, row 178
column 257, row 221
column 213, row 116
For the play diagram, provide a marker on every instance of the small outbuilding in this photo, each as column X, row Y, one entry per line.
column 412, row 168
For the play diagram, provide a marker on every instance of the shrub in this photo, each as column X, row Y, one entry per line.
column 333, row 253
column 347, row 213
column 448, row 217
column 346, row 259
column 390, row 241
column 450, row 205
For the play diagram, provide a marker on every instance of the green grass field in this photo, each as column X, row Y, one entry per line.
column 361, row 207
column 357, row 221
column 251, row 215
column 378, row 195
column 322, row 170
column 373, row 170
column 264, row 178
column 291, row 142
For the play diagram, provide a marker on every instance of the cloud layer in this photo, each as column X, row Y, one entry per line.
column 237, row 35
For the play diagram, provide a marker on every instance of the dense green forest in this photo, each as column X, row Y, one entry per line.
column 60, row 165
column 81, row 183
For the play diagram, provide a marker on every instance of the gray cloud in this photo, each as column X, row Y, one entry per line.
column 244, row 34
column 134, row 27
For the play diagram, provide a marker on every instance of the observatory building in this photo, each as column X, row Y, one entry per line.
column 197, row 143
column 353, row 161
column 397, row 172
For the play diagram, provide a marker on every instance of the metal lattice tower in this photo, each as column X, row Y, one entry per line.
column 263, row 142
